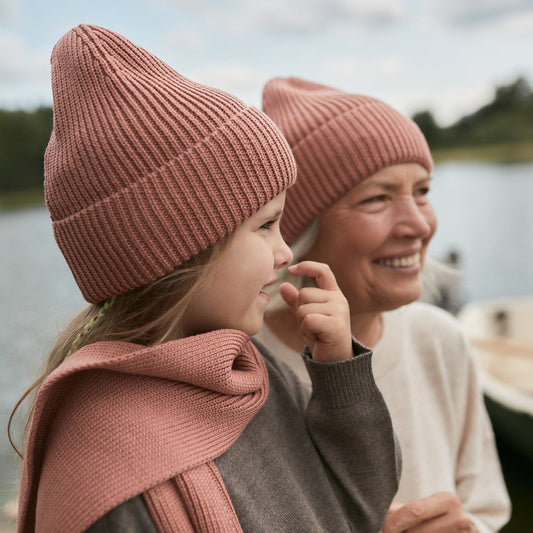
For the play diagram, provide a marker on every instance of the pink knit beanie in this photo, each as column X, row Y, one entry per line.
column 337, row 140
column 146, row 168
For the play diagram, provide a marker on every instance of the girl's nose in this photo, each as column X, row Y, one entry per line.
column 284, row 255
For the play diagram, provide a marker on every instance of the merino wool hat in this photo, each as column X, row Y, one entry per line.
column 338, row 140
column 146, row 168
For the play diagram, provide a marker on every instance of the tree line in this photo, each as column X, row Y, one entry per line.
column 23, row 139
column 508, row 118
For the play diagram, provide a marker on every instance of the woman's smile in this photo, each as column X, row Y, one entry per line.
column 403, row 262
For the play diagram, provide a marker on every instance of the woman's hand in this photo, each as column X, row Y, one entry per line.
column 440, row 512
column 322, row 312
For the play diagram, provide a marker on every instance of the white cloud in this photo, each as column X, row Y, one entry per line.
column 19, row 64
column 474, row 12
column 238, row 79
column 184, row 4
column 400, row 46
column 281, row 16
column 306, row 16
column 292, row 16
column 189, row 38
column 24, row 74
column 447, row 104
column 8, row 10
column 367, row 11
column 514, row 25
column 351, row 68
column 519, row 24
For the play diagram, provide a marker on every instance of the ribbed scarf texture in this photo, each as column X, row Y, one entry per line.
column 117, row 419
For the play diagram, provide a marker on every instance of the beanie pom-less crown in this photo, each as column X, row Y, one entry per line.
column 146, row 168
column 337, row 139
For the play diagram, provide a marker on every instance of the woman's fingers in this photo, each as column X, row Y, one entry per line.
column 439, row 512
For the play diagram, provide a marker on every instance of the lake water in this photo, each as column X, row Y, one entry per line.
column 485, row 214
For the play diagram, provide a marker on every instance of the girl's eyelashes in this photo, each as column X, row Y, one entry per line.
column 269, row 224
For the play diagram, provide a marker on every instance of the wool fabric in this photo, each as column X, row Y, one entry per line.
column 118, row 419
column 337, row 139
column 146, row 168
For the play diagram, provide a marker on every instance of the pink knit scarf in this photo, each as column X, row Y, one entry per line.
column 116, row 420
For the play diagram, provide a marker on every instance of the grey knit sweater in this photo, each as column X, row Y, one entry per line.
column 328, row 462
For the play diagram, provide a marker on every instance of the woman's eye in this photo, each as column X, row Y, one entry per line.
column 423, row 191
column 375, row 199
column 268, row 225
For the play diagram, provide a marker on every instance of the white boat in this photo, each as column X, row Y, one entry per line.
column 500, row 332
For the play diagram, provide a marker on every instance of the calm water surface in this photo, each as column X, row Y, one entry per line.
column 485, row 213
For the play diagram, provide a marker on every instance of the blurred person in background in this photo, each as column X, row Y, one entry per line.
column 360, row 204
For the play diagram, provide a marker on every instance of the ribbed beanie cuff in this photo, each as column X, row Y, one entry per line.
column 145, row 168
column 338, row 140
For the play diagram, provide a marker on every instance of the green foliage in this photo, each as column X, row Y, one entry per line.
column 18, row 199
column 23, row 139
column 426, row 122
column 506, row 120
column 501, row 129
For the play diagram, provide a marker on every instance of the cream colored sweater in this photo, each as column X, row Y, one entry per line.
column 427, row 376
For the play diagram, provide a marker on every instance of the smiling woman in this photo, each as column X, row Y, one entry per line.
column 375, row 239
column 361, row 205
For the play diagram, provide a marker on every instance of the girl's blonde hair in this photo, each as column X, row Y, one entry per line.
column 148, row 315
column 299, row 248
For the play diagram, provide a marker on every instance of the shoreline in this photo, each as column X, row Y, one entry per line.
column 498, row 153
column 501, row 153
column 10, row 201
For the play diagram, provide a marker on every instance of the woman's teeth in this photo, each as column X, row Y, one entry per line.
column 399, row 262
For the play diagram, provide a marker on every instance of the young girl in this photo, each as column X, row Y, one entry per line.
column 156, row 412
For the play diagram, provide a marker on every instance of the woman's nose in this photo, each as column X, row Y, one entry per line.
column 412, row 220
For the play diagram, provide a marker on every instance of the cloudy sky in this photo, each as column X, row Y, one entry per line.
column 442, row 55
